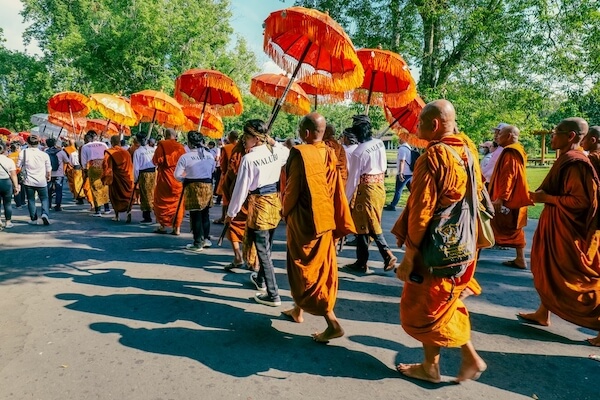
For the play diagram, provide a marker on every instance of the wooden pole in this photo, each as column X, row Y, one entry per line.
column 543, row 159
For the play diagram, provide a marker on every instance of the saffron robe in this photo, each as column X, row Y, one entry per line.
column 316, row 212
column 428, row 312
column 594, row 157
column 117, row 173
column 167, row 192
column 565, row 261
column 509, row 183
column 342, row 161
column 226, row 152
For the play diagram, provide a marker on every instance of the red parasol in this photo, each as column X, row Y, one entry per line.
column 313, row 46
column 5, row 132
column 155, row 106
column 74, row 125
column 404, row 120
column 212, row 124
column 268, row 88
column 101, row 125
column 387, row 73
column 207, row 86
column 72, row 103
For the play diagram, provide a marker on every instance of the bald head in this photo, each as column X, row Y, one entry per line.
column 115, row 140
column 312, row 128
column 507, row 135
column 437, row 119
column 591, row 141
column 329, row 132
column 575, row 124
column 170, row 134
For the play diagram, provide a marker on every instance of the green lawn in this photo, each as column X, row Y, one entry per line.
column 535, row 176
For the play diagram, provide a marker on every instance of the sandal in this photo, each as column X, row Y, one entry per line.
column 232, row 265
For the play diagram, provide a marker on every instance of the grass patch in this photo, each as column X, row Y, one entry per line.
column 535, row 176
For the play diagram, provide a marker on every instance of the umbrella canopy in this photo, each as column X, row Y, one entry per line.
column 207, row 86
column 212, row 123
column 75, row 125
column 114, row 108
column 47, row 130
column 313, row 46
column 405, row 117
column 155, row 106
column 102, row 126
column 387, row 73
column 268, row 88
column 39, row 119
column 5, row 132
column 72, row 103
column 321, row 95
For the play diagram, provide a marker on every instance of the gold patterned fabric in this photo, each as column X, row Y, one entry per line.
column 198, row 196
column 146, row 183
column 99, row 190
column 264, row 212
column 367, row 208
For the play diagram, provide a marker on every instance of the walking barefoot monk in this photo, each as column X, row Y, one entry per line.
column 564, row 254
column 316, row 212
column 117, row 174
column 168, row 189
column 430, row 308
column 510, row 195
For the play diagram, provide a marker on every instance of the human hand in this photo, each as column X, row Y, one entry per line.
column 401, row 178
column 497, row 205
column 404, row 269
column 539, row 196
column 227, row 220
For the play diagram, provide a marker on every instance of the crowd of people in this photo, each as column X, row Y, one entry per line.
column 325, row 189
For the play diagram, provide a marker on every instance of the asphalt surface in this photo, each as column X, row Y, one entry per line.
column 96, row 309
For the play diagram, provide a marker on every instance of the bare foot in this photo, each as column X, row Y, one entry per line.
column 471, row 370
column 594, row 341
column 295, row 314
column 534, row 318
column 419, row 371
column 515, row 264
column 466, row 293
column 327, row 335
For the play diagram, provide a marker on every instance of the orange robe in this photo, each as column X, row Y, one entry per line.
column 509, row 183
column 117, row 173
column 594, row 157
column 226, row 152
column 316, row 212
column 69, row 170
column 426, row 310
column 342, row 162
column 167, row 192
column 565, row 261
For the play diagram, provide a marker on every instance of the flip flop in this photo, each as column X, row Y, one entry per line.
column 160, row 231
column 231, row 266
column 513, row 264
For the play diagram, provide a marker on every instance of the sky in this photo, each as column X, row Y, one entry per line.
column 247, row 20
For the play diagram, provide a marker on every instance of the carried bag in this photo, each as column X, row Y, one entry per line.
column 450, row 243
column 486, row 238
column 22, row 175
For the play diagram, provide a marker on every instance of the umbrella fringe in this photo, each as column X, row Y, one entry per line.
column 396, row 100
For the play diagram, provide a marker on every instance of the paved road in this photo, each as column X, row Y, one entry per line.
column 95, row 309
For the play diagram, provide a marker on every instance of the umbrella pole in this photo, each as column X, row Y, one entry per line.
column 203, row 108
column 370, row 92
column 380, row 134
column 315, row 102
column 151, row 125
column 279, row 102
column 72, row 119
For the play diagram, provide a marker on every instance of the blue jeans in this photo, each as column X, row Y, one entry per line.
column 264, row 241
column 399, row 188
column 42, row 193
column 56, row 185
column 6, row 191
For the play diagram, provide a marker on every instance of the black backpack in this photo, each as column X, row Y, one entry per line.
column 53, row 158
column 414, row 154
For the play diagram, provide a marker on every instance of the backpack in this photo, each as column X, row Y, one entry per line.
column 53, row 158
column 414, row 154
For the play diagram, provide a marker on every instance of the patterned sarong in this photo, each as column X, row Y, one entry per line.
column 146, row 183
column 198, row 196
column 99, row 190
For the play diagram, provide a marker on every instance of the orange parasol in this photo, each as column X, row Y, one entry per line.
column 212, row 124
column 386, row 72
column 404, row 120
column 114, row 108
column 321, row 94
column 73, row 125
column 268, row 88
column 313, row 46
column 154, row 106
column 73, row 103
column 101, row 125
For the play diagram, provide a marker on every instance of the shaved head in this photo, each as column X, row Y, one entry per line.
column 115, row 140
column 575, row 124
column 591, row 141
column 437, row 119
column 507, row 135
column 312, row 127
column 170, row 133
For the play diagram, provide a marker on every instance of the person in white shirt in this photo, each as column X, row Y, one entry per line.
column 9, row 185
column 144, row 176
column 57, row 175
column 38, row 169
column 404, row 174
column 92, row 156
column 195, row 169
column 258, row 176
column 350, row 143
column 366, row 173
column 488, row 169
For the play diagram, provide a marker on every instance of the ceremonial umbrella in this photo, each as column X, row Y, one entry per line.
column 73, row 103
column 154, row 106
column 74, row 125
column 5, row 132
column 269, row 88
column 404, row 121
column 39, row 119
column 102, row 126
column 114, row 108
column 212, row 124
column 321, row 94
column 313, row 47
column 386, row 72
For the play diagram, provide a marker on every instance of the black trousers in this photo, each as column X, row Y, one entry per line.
column 362, row 247
column 264, row 242
column 200, row 221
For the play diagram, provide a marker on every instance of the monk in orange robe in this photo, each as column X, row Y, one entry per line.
column 431, row 310
column 117, row 173
column 136, row 192
column 167, row 192
column 591, row 144
column 69, row 170
column 226, row 151
column 340, row 153
column 565, row 260
column 243, row 249
column 316, row 213
column 509, row 192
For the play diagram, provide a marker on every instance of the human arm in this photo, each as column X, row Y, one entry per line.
column 48, row 166
column 575, row 197
column 240, row 191
column 179, row 173
column 353, row 176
